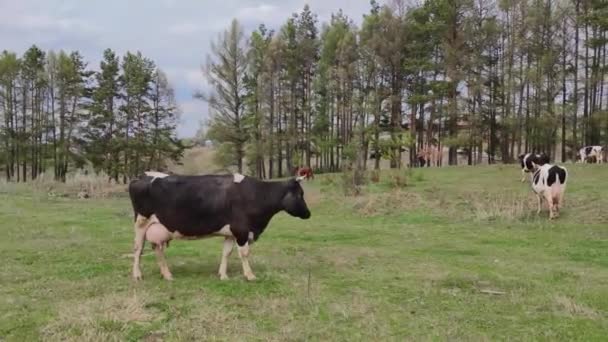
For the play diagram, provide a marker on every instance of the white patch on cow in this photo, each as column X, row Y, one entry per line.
column 225, row 231
column 155, row 174
column 238, row 177
column 159, row 233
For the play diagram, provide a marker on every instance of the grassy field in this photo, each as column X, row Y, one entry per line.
column 457, row 254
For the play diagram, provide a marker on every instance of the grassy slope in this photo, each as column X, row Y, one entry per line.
column 393, row 264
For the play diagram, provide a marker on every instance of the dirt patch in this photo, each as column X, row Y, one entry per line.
column 571, row 307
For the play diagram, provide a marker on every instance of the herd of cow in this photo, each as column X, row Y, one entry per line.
column 239, row 208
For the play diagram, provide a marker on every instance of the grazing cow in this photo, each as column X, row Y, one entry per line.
column 589, row 152
column 527, row 161
column 549, row 182
column 235, row 207
column 304, row 171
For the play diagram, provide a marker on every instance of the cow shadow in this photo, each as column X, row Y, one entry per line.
column 189, row 270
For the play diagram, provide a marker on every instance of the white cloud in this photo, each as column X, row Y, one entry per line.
column 187, row 77
column 194, row 113
column 186, row 28
column 257, row 12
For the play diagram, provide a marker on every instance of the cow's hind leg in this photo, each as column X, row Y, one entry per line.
column 159, row 249
column 226, row 251
column 540, row 203
column 551, row 205
column 140, row 226
column 523, row 175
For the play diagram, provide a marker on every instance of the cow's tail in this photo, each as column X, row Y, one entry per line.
column 139, row 191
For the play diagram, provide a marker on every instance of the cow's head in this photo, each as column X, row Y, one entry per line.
column 293, row 201
column 543, row 159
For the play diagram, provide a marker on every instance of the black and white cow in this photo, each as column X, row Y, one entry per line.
column 549, row 183
column 589, row 152
column 235, row 207
column 527, row 161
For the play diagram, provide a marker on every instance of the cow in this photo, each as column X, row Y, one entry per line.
column 549, row 182
column 235, row 207
column 527, row 161
column 428, row 156
column 590, row 152
column 304, row 171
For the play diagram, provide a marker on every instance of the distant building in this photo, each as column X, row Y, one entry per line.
column 208, row 143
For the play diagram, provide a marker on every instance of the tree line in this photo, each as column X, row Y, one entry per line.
column 58, row 115
column 482, row 78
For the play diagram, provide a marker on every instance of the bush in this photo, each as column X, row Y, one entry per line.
column 398, row 180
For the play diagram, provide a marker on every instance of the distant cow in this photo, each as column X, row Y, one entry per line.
column 428, row 156
column 549, row 182
column 235, row 207
column 591, row 152
column 304, row 171
column 527, row 161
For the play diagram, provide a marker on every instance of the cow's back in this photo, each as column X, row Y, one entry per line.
column 194, row 205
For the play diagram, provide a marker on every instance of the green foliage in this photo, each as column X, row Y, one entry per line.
column 121, row 119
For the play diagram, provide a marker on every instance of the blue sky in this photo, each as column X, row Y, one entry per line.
column 176, row 34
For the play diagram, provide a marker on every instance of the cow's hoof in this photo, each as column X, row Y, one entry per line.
column 250, row 277
column 168, row 277
column 223, row 277
column 138, row 277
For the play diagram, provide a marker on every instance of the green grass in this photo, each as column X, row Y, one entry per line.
column 393, row 264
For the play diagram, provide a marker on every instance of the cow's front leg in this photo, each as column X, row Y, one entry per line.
column 523, row 175
column 243, row 246
column 140, row 226
column 226, row 251
column 244, row 255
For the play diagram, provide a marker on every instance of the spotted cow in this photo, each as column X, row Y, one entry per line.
column 549, row 183
column 234, row 207
column 588, row 153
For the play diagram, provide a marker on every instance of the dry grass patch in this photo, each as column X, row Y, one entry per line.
column 570, row 307
column 100, row 318
column 390, row 202
column 504, row 206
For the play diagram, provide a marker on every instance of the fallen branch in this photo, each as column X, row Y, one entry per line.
column 492, row 292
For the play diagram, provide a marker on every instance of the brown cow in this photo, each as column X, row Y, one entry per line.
column 428, row 156
column 304, row 171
